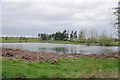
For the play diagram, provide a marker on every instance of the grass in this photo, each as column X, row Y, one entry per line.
column 16, row 40
column 0, row 67
column 80, row 42
column 66, row 68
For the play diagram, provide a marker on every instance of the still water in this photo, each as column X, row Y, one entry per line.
column 61, row 48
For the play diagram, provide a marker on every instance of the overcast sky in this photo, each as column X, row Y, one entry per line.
column 48, row 16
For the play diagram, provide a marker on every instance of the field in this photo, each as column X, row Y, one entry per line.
column 18, row 63
column 60, row 39
column 81, row 42
column 15, row 39
column 102, row 66
column 65, row 68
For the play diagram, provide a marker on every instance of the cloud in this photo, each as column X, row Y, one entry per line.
column 77, row 1
column 50, row 16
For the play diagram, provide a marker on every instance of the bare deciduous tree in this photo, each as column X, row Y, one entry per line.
column 93, row 33
column 117, row 22
column 82, row 34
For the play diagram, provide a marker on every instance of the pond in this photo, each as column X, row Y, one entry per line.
column 61, row 48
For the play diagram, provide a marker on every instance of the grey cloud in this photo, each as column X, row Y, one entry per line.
column 53, row 16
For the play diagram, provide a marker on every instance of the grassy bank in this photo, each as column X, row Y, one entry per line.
column 65, row 68
column 17, row 40
column 81, row 42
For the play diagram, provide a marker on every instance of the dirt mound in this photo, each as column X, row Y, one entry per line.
column 29, row 55
column 45, row 56
column 107, row 55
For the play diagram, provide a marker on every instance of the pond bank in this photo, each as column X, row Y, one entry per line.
column 14, row 54
column 77, row 42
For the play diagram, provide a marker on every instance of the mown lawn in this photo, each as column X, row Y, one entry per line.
column 65, row 68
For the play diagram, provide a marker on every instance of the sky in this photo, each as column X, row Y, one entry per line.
column 30, row 17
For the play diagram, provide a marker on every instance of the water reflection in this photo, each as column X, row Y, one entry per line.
column 62, row 48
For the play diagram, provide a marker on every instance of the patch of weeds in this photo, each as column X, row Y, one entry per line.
column 75, row 70
column 15, row 61
column 20, row 75
column 64, row 69
column 57, row 75
column 41, row 62
column 55, row 67
column 4, row 75
column 43, row 76
column 32, row 65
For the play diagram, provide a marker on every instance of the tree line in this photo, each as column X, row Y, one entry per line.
column 89, row 37
column 65, row 35
column 81, row 36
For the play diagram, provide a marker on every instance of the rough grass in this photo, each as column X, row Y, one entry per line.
column 14, row 40
column 65, row 68
column 81, row 42
column 0, row 67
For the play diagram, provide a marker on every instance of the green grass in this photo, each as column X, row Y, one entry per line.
column 80, row 42
column 16, row 40
column 65, row 68
column 0, row 67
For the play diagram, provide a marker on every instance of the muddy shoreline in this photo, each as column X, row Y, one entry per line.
column 13, row 54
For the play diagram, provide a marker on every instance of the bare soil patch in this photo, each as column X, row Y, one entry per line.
column 12, row 54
